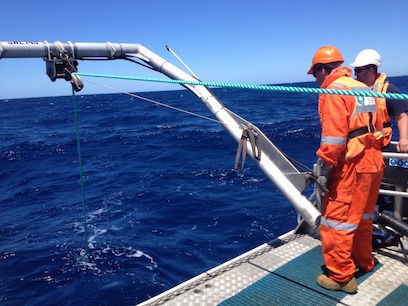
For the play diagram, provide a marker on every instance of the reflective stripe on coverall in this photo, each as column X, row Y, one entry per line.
column 354, row 181
column 384, row 121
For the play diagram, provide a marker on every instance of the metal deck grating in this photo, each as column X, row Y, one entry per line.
column 292, row 284
column 397, row 297
column 220, row 284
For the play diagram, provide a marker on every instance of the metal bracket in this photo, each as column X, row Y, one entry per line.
column 59, row 68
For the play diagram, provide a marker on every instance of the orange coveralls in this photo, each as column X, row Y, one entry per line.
column 384, row 121
column 351, row 146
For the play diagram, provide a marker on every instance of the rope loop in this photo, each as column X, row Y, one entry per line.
column 249, row 133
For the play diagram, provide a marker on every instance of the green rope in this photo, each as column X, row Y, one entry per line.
column 80, row 173
column 395, row 96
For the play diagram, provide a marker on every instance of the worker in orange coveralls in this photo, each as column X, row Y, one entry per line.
column 351, row 168
column 366, row 70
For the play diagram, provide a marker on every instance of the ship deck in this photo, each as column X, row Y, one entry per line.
column 284, row 272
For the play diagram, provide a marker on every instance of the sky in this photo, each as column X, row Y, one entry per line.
column 231, row 41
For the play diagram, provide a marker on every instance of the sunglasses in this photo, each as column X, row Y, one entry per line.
column 316, row 69
column 360, row 69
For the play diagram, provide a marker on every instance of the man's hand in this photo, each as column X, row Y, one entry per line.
column 402, row 145
column 322, row 171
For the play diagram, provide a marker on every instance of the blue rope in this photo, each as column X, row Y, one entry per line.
column 395, row 96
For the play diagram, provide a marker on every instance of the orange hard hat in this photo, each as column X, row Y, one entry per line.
column 325, row 55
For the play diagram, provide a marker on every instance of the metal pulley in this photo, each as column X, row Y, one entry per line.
column 62, row 68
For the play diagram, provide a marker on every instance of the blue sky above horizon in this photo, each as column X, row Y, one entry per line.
column 256, row 42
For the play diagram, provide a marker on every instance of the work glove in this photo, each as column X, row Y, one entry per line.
column 322, row 171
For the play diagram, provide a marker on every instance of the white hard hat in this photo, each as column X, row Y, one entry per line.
column 367, row 57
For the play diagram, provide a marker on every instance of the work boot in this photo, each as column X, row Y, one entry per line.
column 328, row 283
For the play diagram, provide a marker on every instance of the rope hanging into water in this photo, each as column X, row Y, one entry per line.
column 81, row 173
column 394, row 96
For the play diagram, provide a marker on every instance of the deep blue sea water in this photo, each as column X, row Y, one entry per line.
column 161, row 201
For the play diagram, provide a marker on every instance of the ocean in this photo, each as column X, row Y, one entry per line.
column 160, row 202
